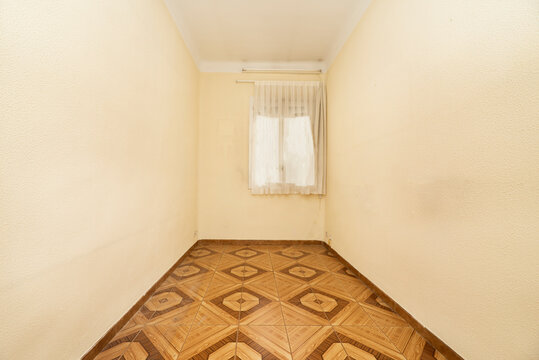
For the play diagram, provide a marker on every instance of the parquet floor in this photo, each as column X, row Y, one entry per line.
column 268, row 302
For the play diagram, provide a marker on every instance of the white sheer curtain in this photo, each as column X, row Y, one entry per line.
column 287, row 147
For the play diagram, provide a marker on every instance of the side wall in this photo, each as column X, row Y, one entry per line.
column 98, row 151
column 226, row 208
column 433, row 180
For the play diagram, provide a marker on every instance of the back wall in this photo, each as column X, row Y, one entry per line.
column 226, row 208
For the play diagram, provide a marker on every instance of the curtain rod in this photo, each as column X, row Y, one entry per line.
column 282, row 71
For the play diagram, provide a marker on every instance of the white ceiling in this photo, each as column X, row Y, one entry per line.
column 226, row 35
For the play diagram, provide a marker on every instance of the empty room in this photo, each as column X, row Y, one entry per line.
column 269, row 179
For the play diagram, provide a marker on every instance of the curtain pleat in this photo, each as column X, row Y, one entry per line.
column 287, row 147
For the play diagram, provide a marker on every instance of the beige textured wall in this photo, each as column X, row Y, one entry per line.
column 226, row 208
column 433, row 182
column 98, row 142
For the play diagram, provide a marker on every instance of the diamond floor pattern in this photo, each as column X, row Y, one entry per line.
column 265, row 302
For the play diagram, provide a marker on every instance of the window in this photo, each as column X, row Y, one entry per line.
column 265, row 151
column 287, row 142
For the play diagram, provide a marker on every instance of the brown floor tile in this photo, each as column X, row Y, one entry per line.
column 370, row 300
column 256, row 309
column 263, row 342
column 236, row 272
column 221, row 308
column 246, row 271
column 302, row 272
column 350, row 314
column 307, row 313
column 263, row 313
column 418, row 349
column 166, row 301
column 119, row 344
column 384, row 318
column 201, row 253
column 229, row 247
column 169, row 281
column 191, row 270
column 149, row 342
column 210, row 261
column 261, row 248
column 316, row 305
column 293, row 253
column 328, row 253
column 245, row 253
column 216, row 341
column 329, row 283
column 313, row 249
column 195, row 287
column 210, row 313
column 150, row 336
column 214, row 247
column 315, row 343
column 220, row 284
column 415, row 346
column 279, row 261
column 113, row 353
column 228, row 261
column 313, row 260
column 399, row 336
column 264, row 284
column 184, row 315
column 262, row 261
column 275, row 248
column 174, row 331
column 358, row 340
column 288, row 286
column 354, row 287
column 266, row 302
column 345, row 271
column 331, row 263
column 135, row 323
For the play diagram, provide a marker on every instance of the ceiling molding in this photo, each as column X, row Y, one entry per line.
column 237, row 66
column 346, row 30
